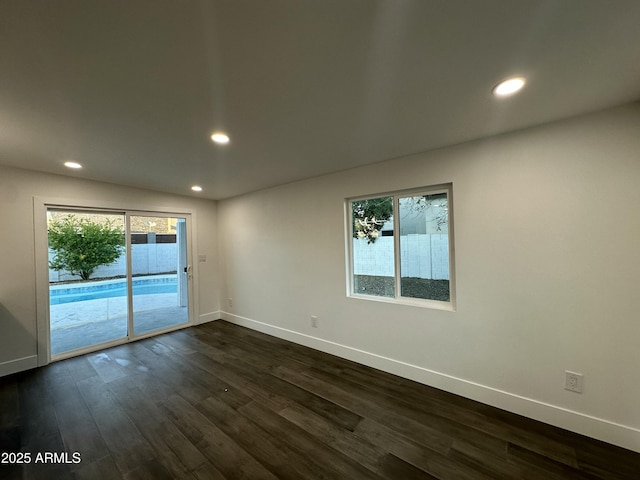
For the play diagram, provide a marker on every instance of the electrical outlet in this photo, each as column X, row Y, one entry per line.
column 314, row 321
column 230, row 302
column 573, row 381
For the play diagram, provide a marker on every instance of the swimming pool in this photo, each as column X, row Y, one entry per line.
column 111, row 288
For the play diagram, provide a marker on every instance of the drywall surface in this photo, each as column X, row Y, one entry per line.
column 18, row 191
column 547, row 229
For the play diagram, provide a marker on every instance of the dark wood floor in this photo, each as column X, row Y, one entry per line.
column 220, row 401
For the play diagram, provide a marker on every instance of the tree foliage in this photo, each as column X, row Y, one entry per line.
column 80, row 245
column 370, row 215
column 437, row 203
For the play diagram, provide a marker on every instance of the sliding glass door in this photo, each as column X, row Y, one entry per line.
column 160, row 272
column 115, row 276
column 87, row 279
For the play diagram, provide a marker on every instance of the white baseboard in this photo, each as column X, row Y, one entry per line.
column 15, row 366
column 207, row 317
column 607, row 431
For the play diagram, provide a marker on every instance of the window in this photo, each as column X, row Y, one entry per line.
column 401, row 247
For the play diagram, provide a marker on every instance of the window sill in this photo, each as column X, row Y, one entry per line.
column 412, row 302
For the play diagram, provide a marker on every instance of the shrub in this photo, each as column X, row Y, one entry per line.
column 81, row 245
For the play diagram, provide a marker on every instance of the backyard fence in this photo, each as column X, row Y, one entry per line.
column 146, row 259
column 421, row 256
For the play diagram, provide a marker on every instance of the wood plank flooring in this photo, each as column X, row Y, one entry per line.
column 220, row 401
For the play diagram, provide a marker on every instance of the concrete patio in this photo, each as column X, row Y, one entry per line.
column 80, row 324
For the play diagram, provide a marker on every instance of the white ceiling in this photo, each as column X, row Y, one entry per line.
column 132, row 89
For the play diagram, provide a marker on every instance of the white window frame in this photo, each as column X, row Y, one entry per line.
column 398, row 299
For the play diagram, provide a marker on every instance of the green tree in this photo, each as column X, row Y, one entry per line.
column 81, row 245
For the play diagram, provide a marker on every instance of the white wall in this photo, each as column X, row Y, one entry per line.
column 18, row 345
column 547, row 232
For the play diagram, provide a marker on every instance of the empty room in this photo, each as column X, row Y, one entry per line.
column 319, row 239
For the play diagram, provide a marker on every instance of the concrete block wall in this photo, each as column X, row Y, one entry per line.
column 147, row 259
column 421, row 256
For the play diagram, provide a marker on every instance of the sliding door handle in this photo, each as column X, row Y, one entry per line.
column 187, row 270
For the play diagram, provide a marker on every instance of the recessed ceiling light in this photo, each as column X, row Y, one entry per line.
column 509, row 87
column 196, row 188
column 220, row 138
column 72, row 165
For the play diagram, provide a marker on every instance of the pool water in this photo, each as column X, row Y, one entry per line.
column 92, row 291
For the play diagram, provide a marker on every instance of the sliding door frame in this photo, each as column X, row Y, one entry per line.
column 41, row 237
column 130, row 296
